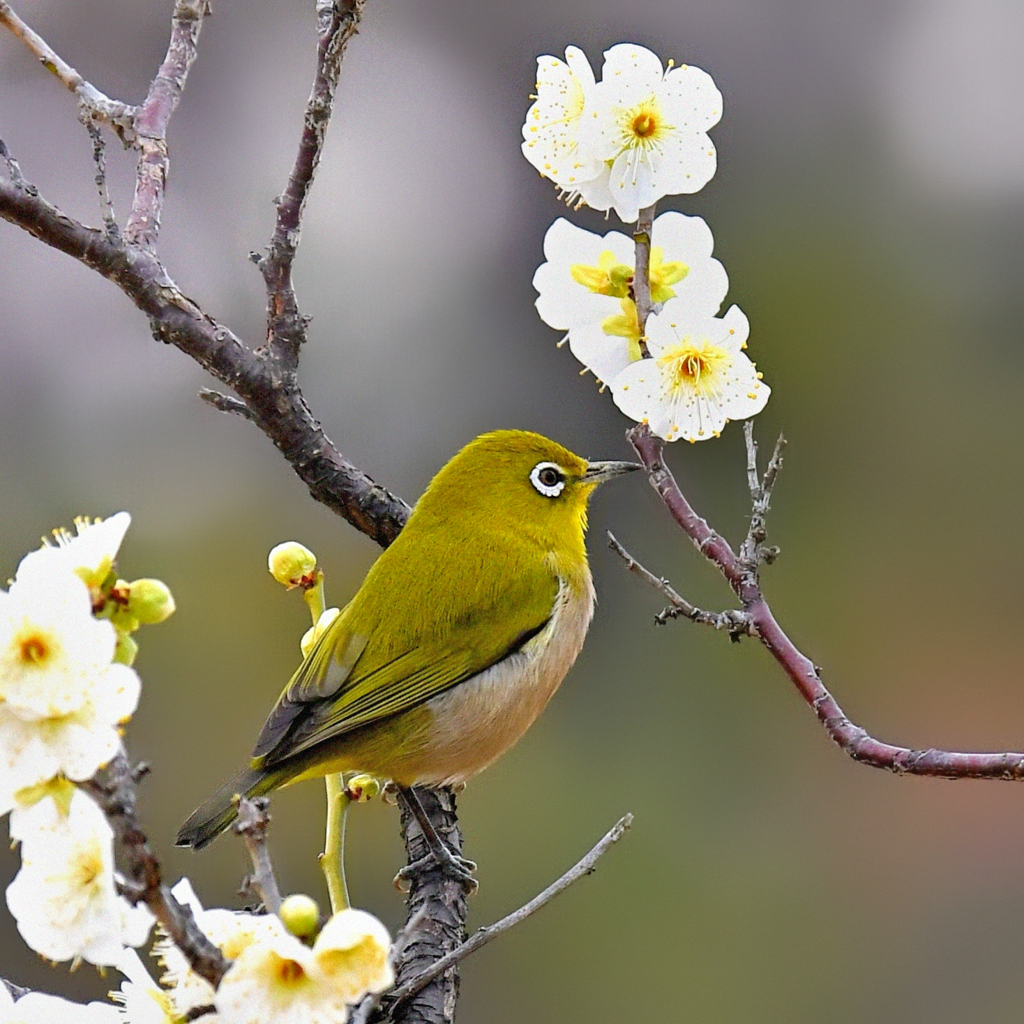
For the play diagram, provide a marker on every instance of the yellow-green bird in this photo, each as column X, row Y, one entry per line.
column 458, row 637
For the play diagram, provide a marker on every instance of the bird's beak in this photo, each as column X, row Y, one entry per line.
column 598, row 472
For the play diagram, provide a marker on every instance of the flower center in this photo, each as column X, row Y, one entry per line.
column 643, row 125
column 290, row 971
column 33, row 649
column 693, row 366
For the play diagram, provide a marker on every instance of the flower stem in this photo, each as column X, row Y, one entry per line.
column 332, row 860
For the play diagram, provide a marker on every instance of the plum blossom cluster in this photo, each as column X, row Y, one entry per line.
column 282, row 969
column 66, row 693
column 624, row 143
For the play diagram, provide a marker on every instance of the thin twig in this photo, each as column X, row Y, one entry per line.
column 152, row 119
column 252, row 824
column 752, row 551
column 16, row 991
column 642, row 271
column 113, row 788
column 733, row 621
column 806, row 676
column 98, row 158
column 337, row 22
column 584, row 866
column 94, row 104
column 14, row 171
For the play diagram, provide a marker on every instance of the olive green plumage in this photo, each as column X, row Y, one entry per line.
column 458, row 636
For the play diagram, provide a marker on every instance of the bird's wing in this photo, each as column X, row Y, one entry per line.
column 354, row 676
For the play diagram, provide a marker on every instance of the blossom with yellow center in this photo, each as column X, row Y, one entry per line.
column 49, row 644
column 64, row 898
column 586, row 285
column 551, row 129
column 649, row 127
column 279, row 978
column 697, row 378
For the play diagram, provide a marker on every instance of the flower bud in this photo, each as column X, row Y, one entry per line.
column 292, row 564
column 300, row 915
column 362, row 788
column 150, row 601
column 126, row 649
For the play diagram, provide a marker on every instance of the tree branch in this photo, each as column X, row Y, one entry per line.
column 436, row 912
column 805, row 675
column 337, row 22
column 151, row 122
column 113, row 788
column 96, row 106
column 584, row 866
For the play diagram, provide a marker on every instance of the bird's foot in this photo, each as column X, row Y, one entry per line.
column 455, row 867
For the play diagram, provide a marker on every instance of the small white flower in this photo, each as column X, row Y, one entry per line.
column 697, row 379
column 64, row 898
column 40, row 1008
column 649, row 128
column 586, row 285
column 49, row 644
column 231, row 931
column 75, row 744
column 141, row 999
column 352, row 950
column 551, row 129
column 278, row 978
column 89, row 553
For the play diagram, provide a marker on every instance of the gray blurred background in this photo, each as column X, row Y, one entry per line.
column 869, row 208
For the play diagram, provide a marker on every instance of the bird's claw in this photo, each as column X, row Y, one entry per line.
column 455, row 867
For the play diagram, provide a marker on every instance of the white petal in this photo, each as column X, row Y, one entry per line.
column 632, row 71
column 689, row 240
column 605, row 354
column 696, row 100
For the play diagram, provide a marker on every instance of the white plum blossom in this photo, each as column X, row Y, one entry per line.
column 352, row 950
column 64, row 897
column 89, row 552
column 648, row 127
column 280, row 978
column 141, row 999
column 585, row 286
column 39, row 1008
column 697, row 378
column 231, row 931
column 551, row 129
column 75, row 744
column 49, row 644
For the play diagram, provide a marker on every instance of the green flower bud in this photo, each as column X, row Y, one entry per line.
column 362, row 789
column 300, row 915
column 126, row 649
column 292, row 564
column 150, row 601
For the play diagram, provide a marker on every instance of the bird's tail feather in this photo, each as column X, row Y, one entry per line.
column 208, row 821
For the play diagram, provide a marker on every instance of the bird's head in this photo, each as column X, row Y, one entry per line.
column 520, row 481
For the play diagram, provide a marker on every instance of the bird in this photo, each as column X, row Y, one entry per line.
column 459, row 635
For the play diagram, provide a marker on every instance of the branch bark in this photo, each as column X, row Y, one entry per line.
column 742, row 576
column 113, row 788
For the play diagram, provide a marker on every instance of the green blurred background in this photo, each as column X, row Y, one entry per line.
column 869, row 208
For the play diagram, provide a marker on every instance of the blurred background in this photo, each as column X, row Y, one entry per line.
column 869, row 208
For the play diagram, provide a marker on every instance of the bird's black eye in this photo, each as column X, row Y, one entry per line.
column 548, row 479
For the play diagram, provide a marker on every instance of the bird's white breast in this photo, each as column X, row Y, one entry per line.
column 482, row 717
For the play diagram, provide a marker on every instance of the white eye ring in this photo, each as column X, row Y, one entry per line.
column 548, row 478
